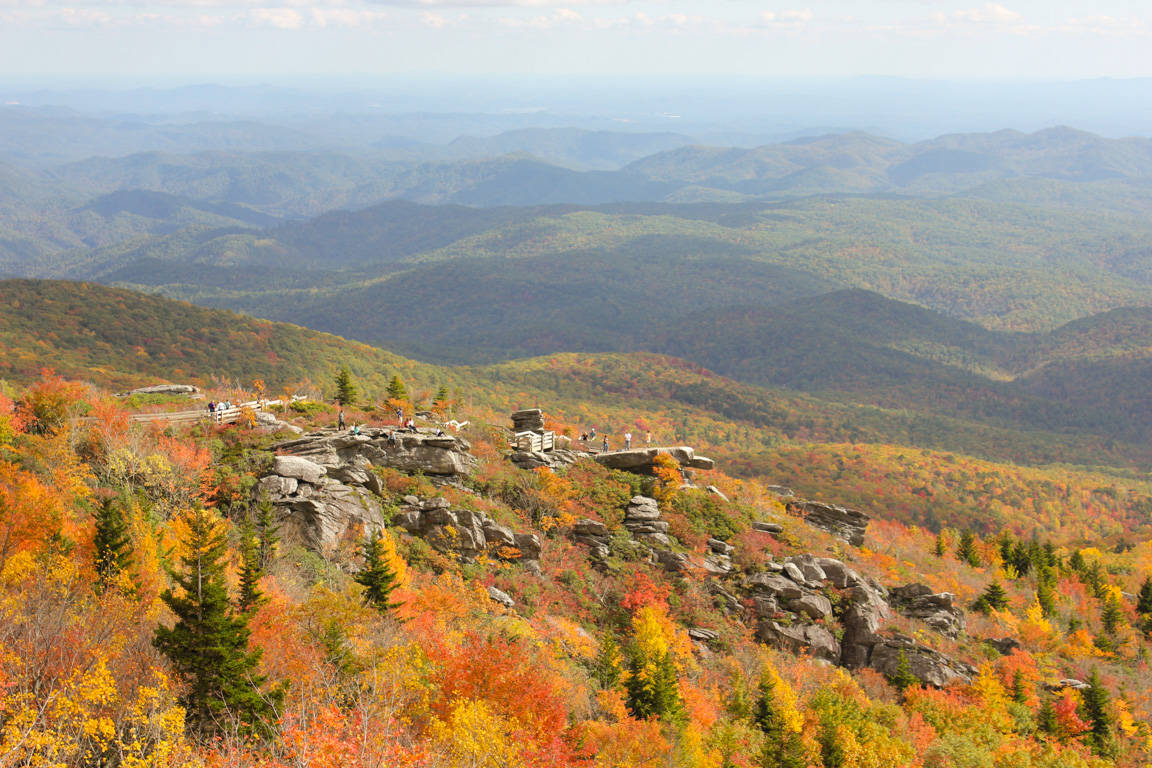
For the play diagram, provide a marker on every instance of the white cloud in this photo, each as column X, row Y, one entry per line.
column 279, row 18
column 990, row 13
column 346, row 17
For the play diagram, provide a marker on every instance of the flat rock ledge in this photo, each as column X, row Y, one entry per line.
column 421, row 451
column 642, row 460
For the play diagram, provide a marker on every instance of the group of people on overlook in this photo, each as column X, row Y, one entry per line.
column 408, row 425
column 590, row 437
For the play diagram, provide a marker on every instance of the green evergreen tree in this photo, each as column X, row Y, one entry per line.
column 345, row 387
column 1092, row 578
column 1045, row 593
column 267, row 532
column 653, row 687
column 1144, row 598
column 1046, row 718
column 396, row 389
column 377, row 577
column 1004, row 543
column 607, row 667
column 251, row 570
column 1111, row 616
column 111, row 544
column 966, row 549
column 994, row 598
column 1019, row 692
column 940, row 547
column 1096, row 709
column 902, row 678
column 1076, row 562
column 441, row 398
column 781, row 748
column 208, row 644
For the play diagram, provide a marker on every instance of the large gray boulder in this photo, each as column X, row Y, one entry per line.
column 775, row 585
column 298, row 468
column 642, row 460
column 930, row 667
column 166, row 389
column 937, row 610
column 812, row 639
column 847, row 524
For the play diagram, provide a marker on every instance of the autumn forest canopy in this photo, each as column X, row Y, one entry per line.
column 830, row 449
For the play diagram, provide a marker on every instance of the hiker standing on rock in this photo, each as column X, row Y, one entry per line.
column 627, row 441
column 340, row 420
column 605, row 449
column 648, row 439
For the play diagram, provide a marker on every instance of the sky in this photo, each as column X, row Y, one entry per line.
column 1014, row 39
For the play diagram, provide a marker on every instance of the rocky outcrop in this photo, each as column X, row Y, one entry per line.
column 647, row 531
column 554, row 459
column 847, row 524
column 423, row 451
column 166, row 389
column 466, row 533
column 269, row 423
column 317, row 510
column 642, row 460
column 805, row 603
column 528, row 420
column 938, row 610
column 323, row 485
column 929, row 667
column 642, row 519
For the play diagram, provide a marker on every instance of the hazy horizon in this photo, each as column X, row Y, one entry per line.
column 938, row 39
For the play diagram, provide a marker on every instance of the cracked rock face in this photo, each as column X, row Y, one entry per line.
column 938, row 610
column 804, row 603
column 847, row 524
column 320, row 512
column 405, row 451
column 323, row 486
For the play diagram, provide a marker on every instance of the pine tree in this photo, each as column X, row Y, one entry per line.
column 903, row 678
column 1045, row 594
column 782, row 746
column 995, row 596
column 267, row 532
column 966, row 549
column 1046, row 718
column 1144, row 598
column 345, row 388
column 111, row 544
column 441, row 398
column 606, row 667
column 251, row 570
column 208, row 644
column 940, row 547
column 653, row 687
column 1019, row 692
column 377, row 576
column 1111, row 616
column 396, row 389
column 1076, row 562
column 1092, row 578
column 1096, row 709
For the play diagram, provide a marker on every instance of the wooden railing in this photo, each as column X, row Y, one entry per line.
column 534, row 441
column 220, row 416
